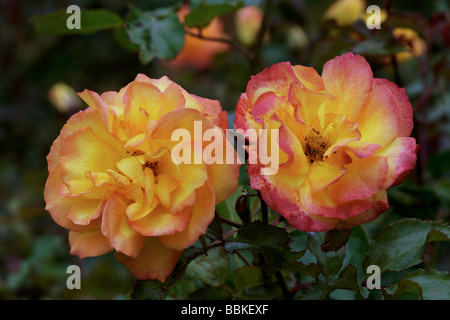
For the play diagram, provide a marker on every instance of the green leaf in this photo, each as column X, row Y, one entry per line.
column 121, row 37
column 149, row 290
column 156, row 290
column 244, row 178
column 329, row 262
column 260, row 234
column 435, row 285
column 402, row 290
column 212, row 269
column 313, row 292
column 335, row 240
column 320, row 289
column 90, row 21
column 356, row 249
column 158, row 33
column 248, row 277
column 401, row 244
column 227, row 208
column 272, row 242
column 203, row 11
column 440, row 234
column 311, row 269
column 347, row 280
column 214, row 230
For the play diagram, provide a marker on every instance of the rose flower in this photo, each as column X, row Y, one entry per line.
column 113, row 182
column 343, row 140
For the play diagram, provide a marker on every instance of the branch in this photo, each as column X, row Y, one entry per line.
column 230, row 222
column 280, row 280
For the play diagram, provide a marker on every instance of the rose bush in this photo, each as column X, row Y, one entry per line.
column 113, row 184
column 343, row 137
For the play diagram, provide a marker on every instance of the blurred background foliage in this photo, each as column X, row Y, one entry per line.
column 40, row 73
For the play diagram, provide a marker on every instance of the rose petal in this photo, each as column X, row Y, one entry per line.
column 379, row 120
column 349, row 79
column 364, row 178
column 116, row 228
column 84, row 151
column 160, row 222
column 401, row 157
column 404, row 108
column 202, row 213
column 155, row 261
column 59, row 207
column 89, row 243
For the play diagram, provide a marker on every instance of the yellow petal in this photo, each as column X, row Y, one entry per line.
column 322, row 174
column 202, row 213
column 115, row 227
column 160, row 222
column 164, row 186
column 89, row 243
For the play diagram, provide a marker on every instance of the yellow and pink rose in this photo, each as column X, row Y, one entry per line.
column 113, row 183
column 343, row 138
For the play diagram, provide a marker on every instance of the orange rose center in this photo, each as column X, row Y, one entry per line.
column 315, row 146
column 152, row 165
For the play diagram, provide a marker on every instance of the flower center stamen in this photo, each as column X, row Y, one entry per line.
column 315, row 146
column 152, row 165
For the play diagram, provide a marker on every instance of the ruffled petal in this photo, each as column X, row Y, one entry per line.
column 89, row 243
column 349, row 79
column 364, row 178
column 96, row 102
column 81, row 152
column 277, row 78
column 116, row 228
column 61, row 208
column 401, row 157
column 140, row 97
column 160, row 222
column 202, row 213
column 321, row 204
column 379, row 120
column 404, row 108
column 155, row 261
column 323, row 174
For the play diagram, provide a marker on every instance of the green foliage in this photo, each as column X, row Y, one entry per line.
column 401, row 245
column 158, row 33
column 92, row 21
column 434, row 284
column 271, row 242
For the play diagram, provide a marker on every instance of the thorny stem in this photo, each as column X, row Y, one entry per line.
column 264, row 210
